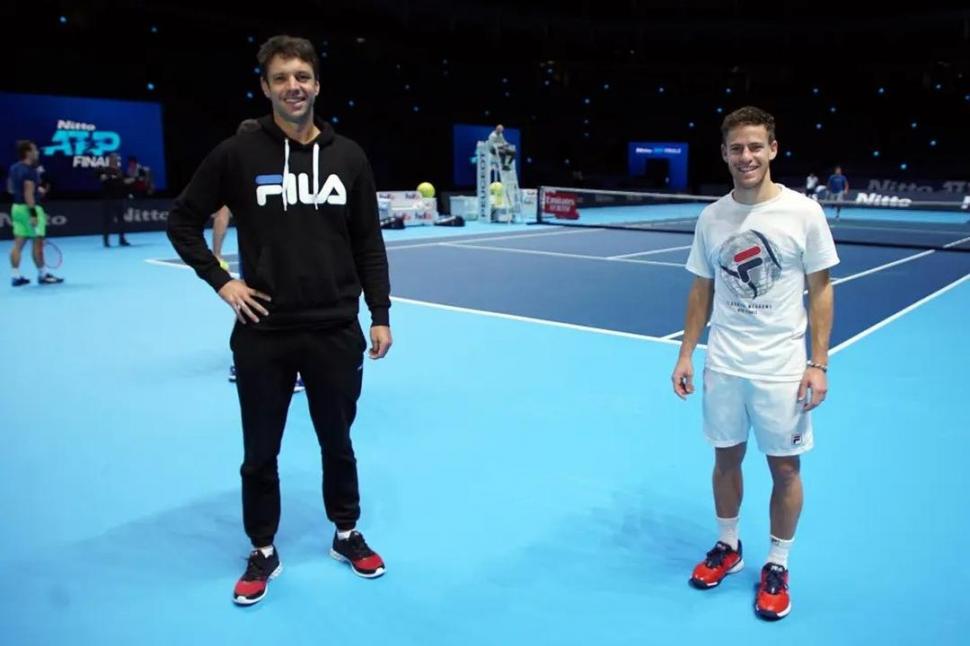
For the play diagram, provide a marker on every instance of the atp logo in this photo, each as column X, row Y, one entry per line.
column 297, row 190
column 750, row 264
column 84, row 143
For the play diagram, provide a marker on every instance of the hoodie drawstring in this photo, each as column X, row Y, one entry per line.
column 316, row 175
column 286, row 168
column 316, row 172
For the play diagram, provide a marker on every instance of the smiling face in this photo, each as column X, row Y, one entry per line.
column 748, row 150
column 292, row 88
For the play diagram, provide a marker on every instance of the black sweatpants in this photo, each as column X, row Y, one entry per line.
column 331, row 363
column 113, row 210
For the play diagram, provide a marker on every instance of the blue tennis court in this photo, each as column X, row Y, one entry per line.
column 525, row 470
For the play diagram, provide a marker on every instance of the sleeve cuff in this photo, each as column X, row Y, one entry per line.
column 217, row 277
column 380, row 316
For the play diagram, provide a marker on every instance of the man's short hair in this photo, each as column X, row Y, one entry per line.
column 287, row 47
column 748, row 116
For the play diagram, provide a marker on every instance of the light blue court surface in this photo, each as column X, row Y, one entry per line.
column 525, row 470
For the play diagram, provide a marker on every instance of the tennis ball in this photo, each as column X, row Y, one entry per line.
column 426, row 189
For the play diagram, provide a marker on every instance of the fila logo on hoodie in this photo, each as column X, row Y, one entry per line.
column 286, row 184
column 298, row 189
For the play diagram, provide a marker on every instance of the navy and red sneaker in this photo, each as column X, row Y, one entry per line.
column 363, row 560
column 772, row 601
column 721, row 561
column 252, row 585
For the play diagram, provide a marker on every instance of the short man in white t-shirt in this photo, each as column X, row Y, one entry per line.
column 811, row 183
column 753, row 252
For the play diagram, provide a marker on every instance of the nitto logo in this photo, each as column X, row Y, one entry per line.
column 82, row 141
column 298, row 189
column 875, row 199
column 52, row 220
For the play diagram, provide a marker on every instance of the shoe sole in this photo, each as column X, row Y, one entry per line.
column 771, row 616
column 343, row 559
column 243, row 601
column 701, row 585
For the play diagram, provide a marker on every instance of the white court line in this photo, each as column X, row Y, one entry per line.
column 647, row 253
column 557, row 254
column 845, row 279
column 528, row 319
column 658, row 225
column 867, row 272
column 167, row 263
column 510, row 236
column 956, row 242
column 177, row 265
column 890, row 319
column 499, row 315
column 922, row 254
column 863, row 227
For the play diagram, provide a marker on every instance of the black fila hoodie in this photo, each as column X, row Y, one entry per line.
column 311, row 243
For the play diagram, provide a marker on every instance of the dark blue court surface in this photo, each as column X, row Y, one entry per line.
column 525, row 470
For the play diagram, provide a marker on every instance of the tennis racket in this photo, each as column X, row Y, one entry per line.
column 52, row 255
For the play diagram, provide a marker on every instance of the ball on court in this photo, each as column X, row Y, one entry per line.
column 495, row 188
column 426, row 189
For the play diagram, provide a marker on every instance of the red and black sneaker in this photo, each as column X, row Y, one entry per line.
column 363, row 560
column 251, row 587
column 721, row 561
column 772, row 601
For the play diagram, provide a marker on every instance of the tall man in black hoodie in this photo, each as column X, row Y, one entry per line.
column 309, row 241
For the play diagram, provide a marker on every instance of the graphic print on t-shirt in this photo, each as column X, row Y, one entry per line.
column 750, row 264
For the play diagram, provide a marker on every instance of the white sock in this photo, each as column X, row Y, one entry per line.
column 15, row 271
column 779, row 551
column 344, row 535
column 266, row 551
column 729, row 531
column 41, row 272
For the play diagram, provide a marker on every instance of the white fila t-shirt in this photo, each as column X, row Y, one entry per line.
column 758, row 256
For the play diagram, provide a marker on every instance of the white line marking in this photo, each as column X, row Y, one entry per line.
column 558, row 254
column 845, row 279
column 167, row 263
column 956, row 242
column 867, row 272
column 890, row 319
column 178, row 265
column 648, row 253
column 528, row 319
column 510, row 236
column 835, row 224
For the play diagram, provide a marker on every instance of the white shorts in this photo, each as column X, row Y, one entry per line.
column 732, row 405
